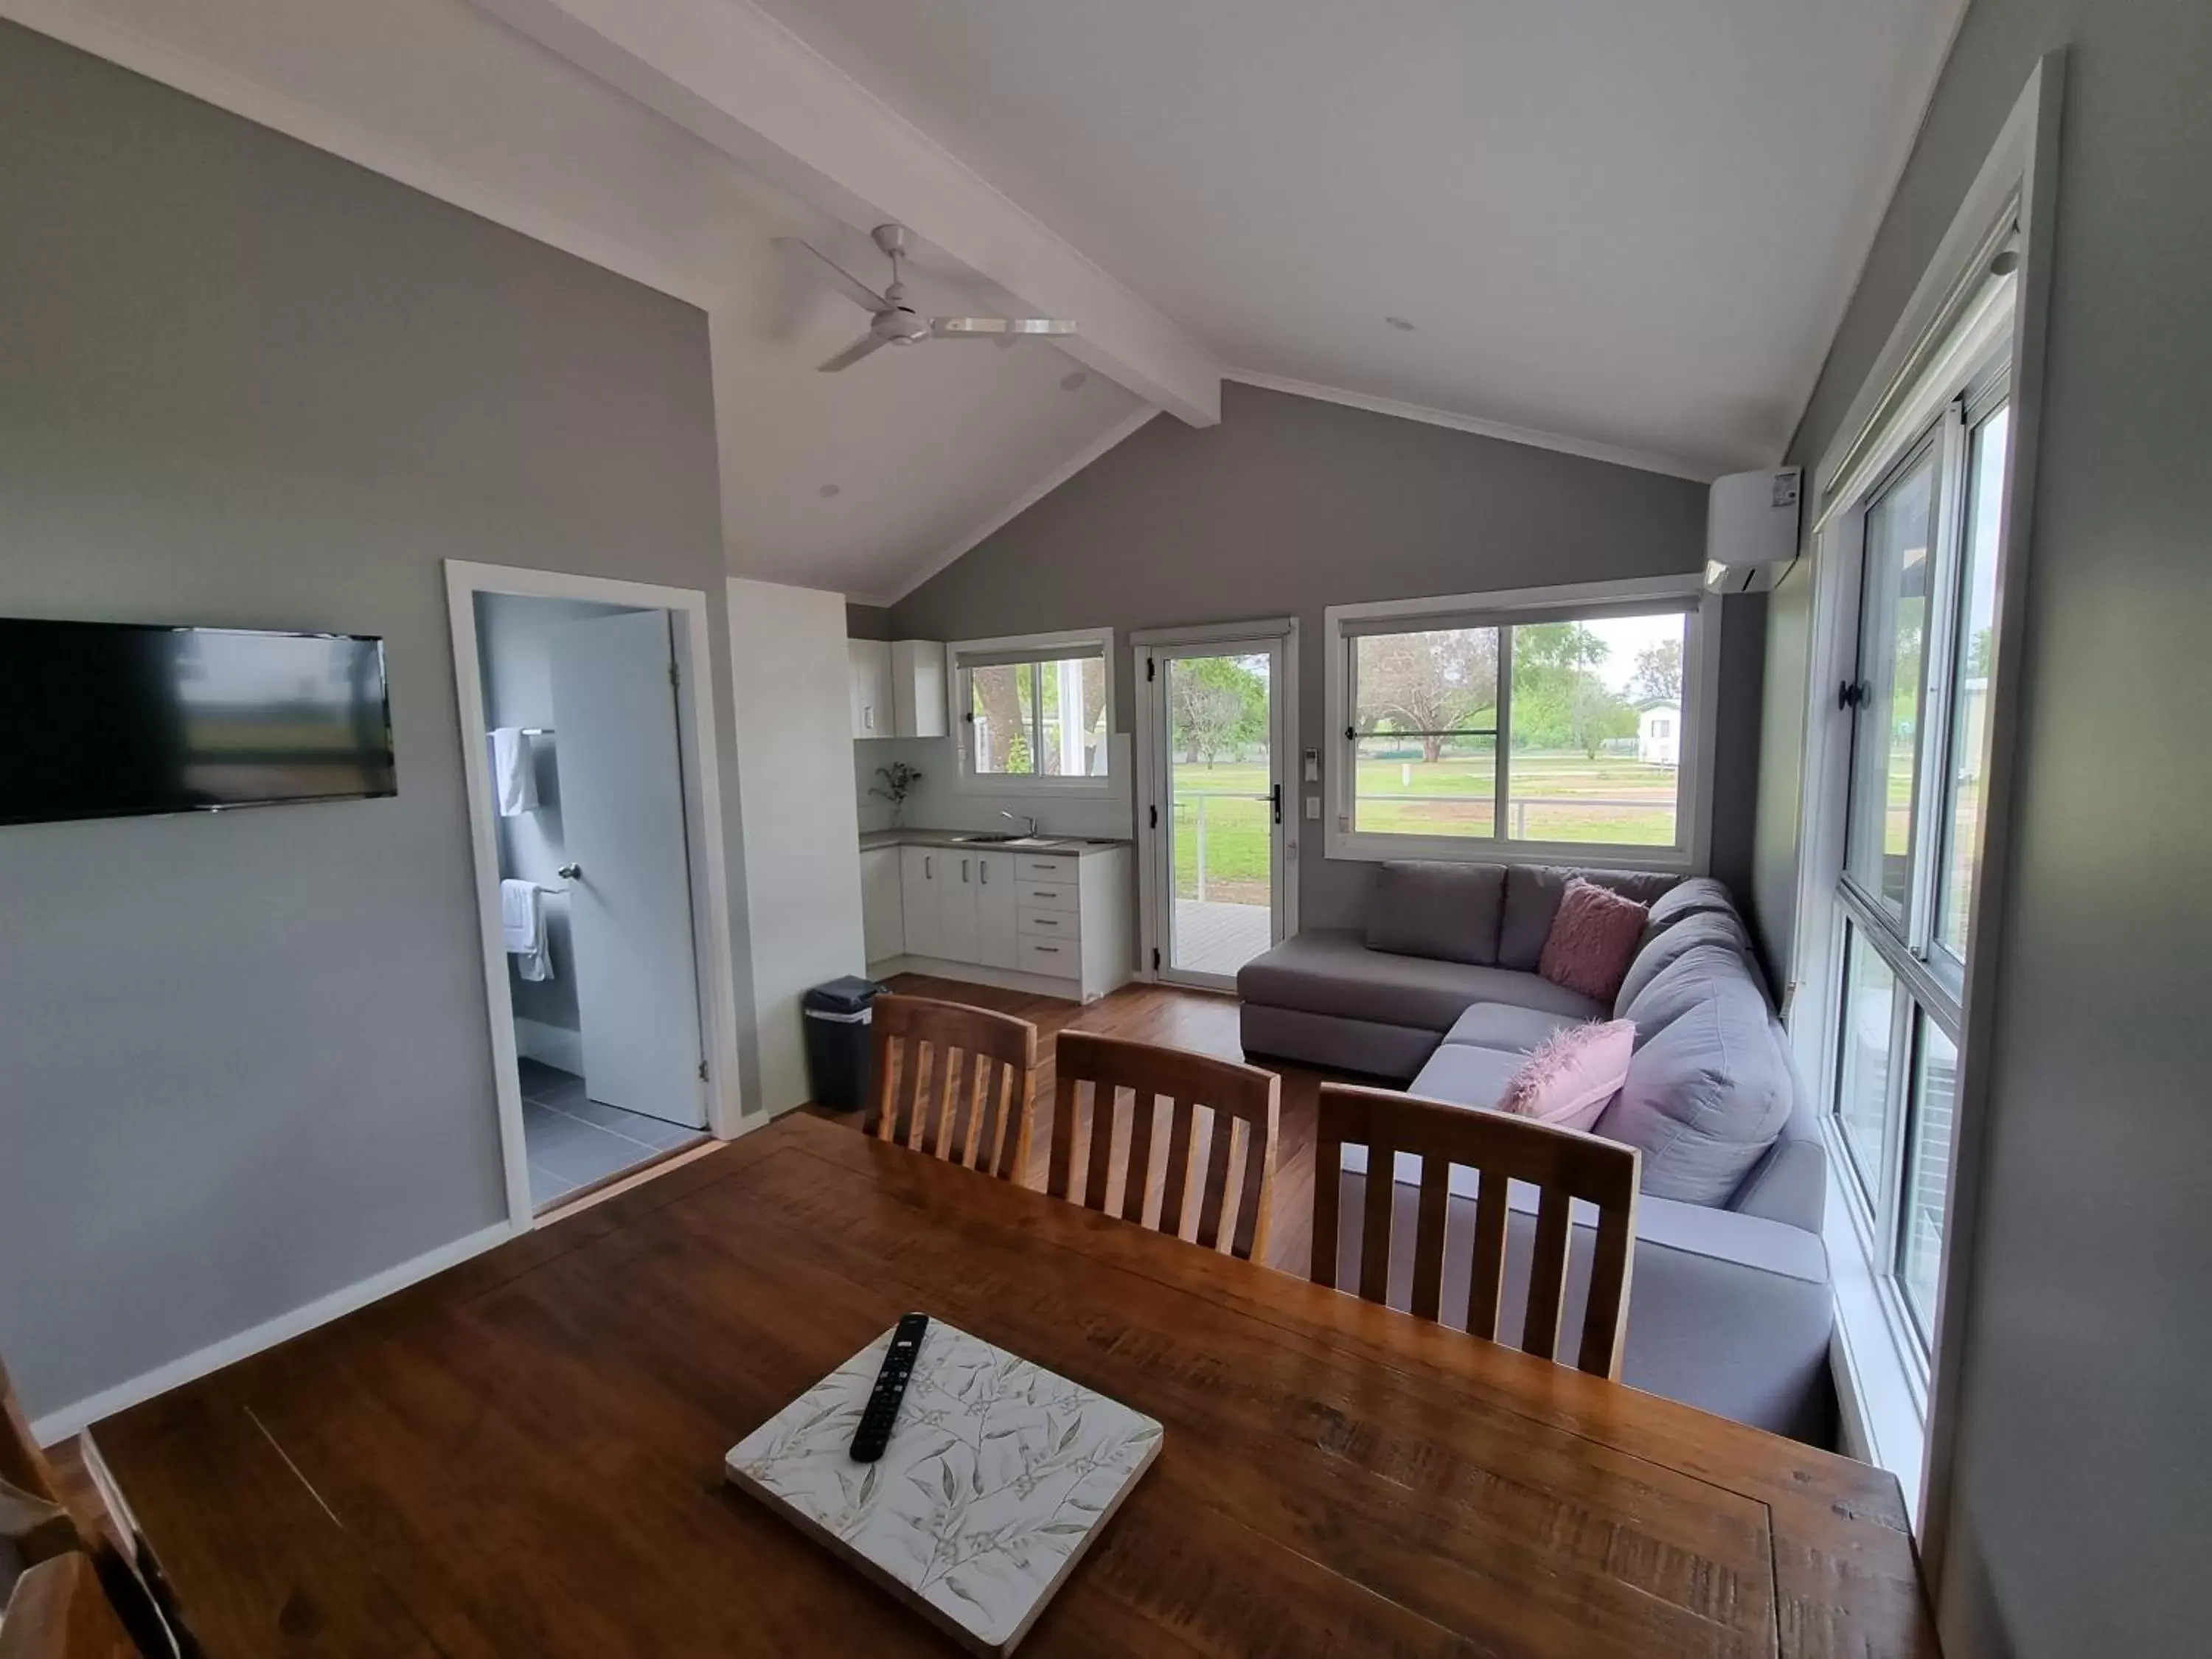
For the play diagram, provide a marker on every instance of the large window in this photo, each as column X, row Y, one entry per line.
column 1529, row 724
column 1925, row 646
column 1034, row 713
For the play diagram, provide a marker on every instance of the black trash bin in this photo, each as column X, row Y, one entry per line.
column 836, row 1016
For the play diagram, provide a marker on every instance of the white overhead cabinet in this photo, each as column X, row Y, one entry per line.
column 873, row 712
column 1056, row 923
column 898, row 688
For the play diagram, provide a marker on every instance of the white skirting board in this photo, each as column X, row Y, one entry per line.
column 71, row 1419
column 553, row 1045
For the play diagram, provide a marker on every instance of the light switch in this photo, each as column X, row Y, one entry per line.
column 1313, row 768
column 1313, row 806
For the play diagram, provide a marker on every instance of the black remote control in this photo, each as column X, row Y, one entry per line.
column 882, row 1411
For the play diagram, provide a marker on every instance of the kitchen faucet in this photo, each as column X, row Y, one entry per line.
column 1029, row 825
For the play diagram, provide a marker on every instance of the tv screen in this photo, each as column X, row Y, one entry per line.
column 107, row 719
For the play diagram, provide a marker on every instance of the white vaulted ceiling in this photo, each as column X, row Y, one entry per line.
column 1630, row 223
column 1621, row 227
column 927, row 447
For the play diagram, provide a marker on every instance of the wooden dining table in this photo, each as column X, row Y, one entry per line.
column 523, row 1455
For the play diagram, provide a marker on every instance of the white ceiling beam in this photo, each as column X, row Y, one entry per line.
column 729, row 73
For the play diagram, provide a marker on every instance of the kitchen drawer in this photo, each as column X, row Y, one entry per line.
column 1062, row 958
column 1031, row 867
column 1049, row 924
column 1030, row 894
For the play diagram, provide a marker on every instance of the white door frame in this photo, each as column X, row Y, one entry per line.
column 1154, row 895
column 702, row 827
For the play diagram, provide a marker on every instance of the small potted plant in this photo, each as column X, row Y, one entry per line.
column 898, row 782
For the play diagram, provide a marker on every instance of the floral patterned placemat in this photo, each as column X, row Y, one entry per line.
column 998, row 1475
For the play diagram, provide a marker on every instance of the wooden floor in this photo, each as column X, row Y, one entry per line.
column 1173, row 1017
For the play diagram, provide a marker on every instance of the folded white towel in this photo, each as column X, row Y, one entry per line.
column 512, row 773
column 522, row 928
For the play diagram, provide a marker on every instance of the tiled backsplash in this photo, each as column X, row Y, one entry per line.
column 938, row 803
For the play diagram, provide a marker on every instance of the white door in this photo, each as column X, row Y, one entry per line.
column 629, row 900
column 1218, row 806
column 996, row 922
column 920, row 871
column 959, row 937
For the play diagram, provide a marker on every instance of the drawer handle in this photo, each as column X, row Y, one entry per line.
column 1043, row 921
column 1049, row 949
column 1035, row 894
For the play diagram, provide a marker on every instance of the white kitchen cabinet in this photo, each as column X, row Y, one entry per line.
column 883, row 912
column 918, row 687
column 996, row 911
column 874, row 706
column 921, row 887
column 1038, row 919
column 959, row 936
column 897, row 688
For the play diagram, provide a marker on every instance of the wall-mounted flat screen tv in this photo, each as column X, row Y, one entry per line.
column 109, row 719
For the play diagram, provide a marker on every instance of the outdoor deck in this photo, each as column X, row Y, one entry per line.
column 1212, row 937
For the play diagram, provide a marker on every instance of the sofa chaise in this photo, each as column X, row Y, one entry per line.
column 1729, row 1306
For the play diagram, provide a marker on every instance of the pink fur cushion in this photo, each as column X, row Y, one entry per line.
column 1572, row 1077
column 1593, row 939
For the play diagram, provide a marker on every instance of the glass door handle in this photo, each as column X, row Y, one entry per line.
column 1275, row 794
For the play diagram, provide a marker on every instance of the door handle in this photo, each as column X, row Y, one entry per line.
column 928, row 867
column 963, row 870
column 984, row 876
column 1276, row 794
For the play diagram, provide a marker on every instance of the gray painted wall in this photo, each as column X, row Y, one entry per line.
column 246, row 1056
column 867, row 622
column 2084, row 1461
column 1290, row 505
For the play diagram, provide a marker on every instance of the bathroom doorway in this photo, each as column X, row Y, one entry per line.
column 591, row 823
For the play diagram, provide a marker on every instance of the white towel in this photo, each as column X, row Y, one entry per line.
column 512, row 772
column 522, row 928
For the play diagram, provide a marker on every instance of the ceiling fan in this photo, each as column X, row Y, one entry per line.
column 896, row 323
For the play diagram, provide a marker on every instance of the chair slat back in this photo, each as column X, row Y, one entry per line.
column 58, row 1611
column 44, row 1528
column 1563, row 1164
column 1223, row 1125
column 955, row 1082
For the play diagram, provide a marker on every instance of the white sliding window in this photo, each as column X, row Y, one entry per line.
column 1034, row 713
column 1567, row 723
column 1918, row 762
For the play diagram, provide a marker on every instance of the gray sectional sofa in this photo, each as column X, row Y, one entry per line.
column 1729, row 1307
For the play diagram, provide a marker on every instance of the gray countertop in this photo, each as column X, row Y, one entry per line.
column 1063, row 846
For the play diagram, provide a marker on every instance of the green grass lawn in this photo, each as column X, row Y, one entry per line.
column 1547, row 795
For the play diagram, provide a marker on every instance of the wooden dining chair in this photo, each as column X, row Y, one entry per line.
column 953, row 1081
column 1563, row 1164
column 57, row 1610
column 42, row 1527
column 1243, row 1102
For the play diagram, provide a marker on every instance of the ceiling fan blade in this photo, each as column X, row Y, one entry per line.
column 828, row 270
column 996, row 328
column 852, row 354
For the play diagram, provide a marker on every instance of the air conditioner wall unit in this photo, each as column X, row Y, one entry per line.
column 1751, row 529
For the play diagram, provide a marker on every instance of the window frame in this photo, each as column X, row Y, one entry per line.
column 1701, row 609
column 1931, row 980
column 1034, row 648
column 1900, row 1410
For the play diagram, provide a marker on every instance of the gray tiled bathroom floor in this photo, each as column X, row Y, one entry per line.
column 574, row 1142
